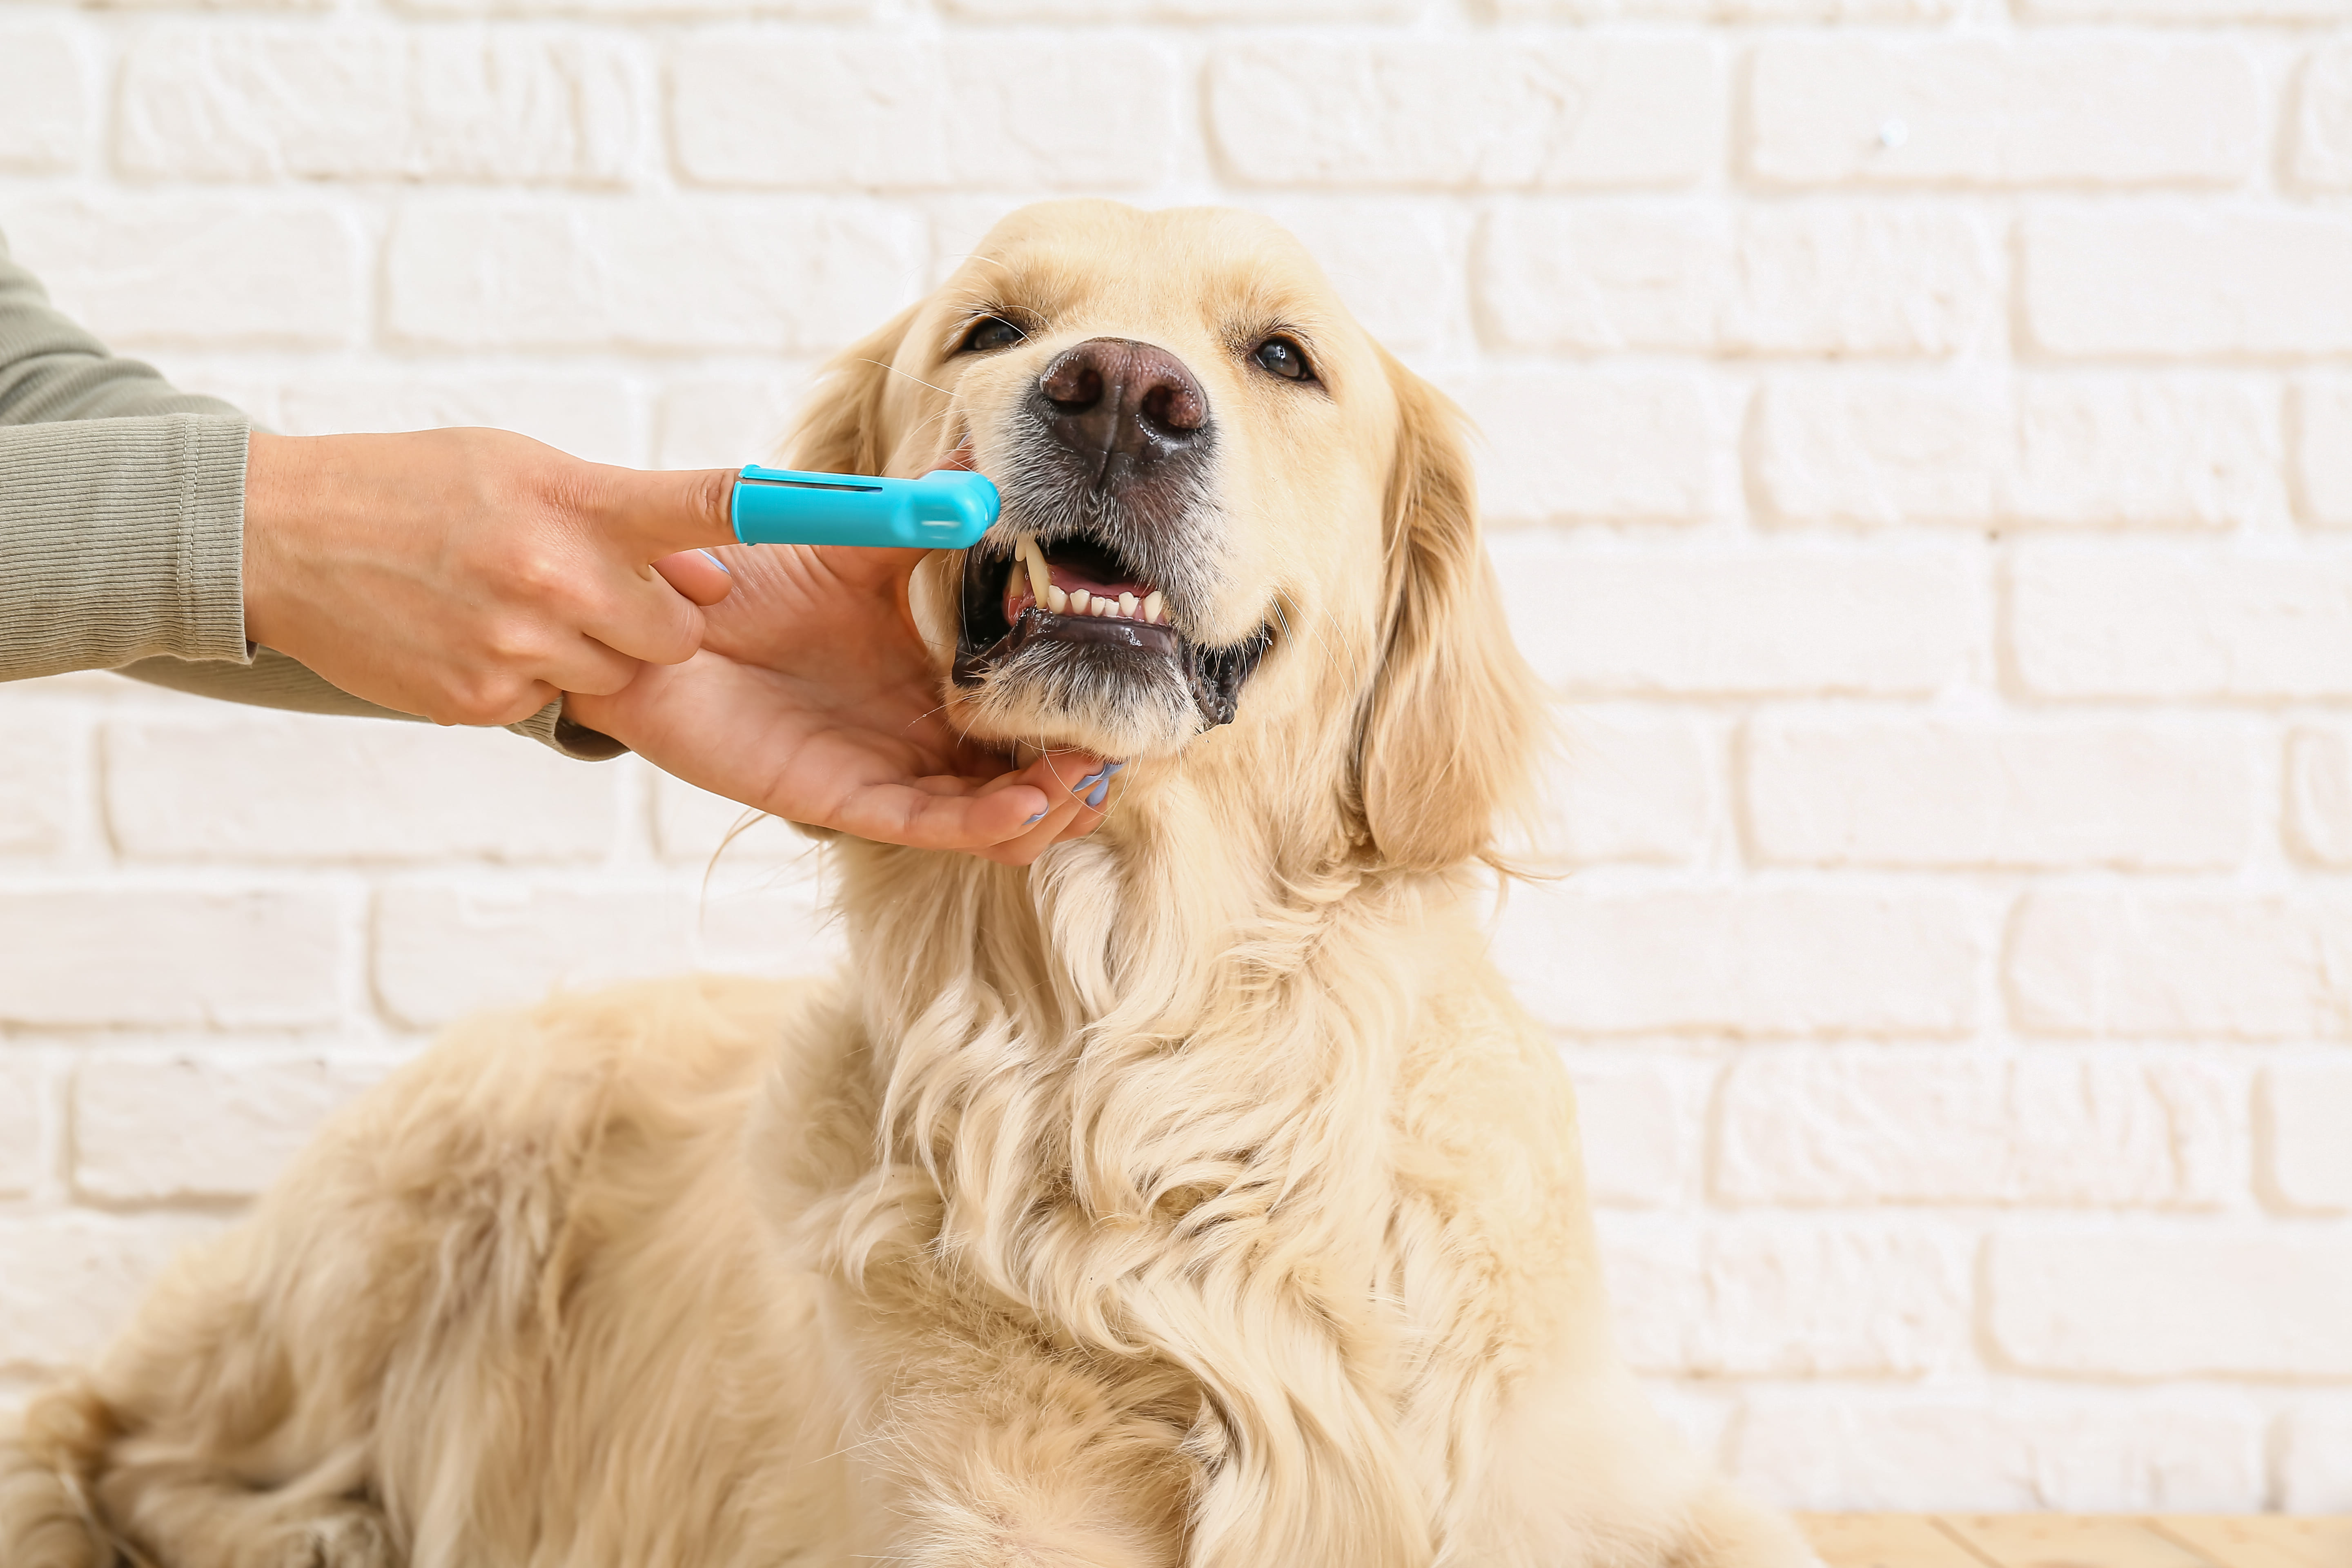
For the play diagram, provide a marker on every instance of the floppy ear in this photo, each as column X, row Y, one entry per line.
column 839, row 430
column 1454, row 718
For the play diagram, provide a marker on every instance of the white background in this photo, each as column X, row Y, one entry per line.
column 1919, row 454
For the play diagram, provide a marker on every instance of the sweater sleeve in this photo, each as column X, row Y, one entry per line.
column 122, row 529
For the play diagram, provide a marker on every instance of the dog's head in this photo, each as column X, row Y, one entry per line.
column 1224, row 505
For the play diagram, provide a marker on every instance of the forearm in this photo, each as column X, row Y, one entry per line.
column 121, row 539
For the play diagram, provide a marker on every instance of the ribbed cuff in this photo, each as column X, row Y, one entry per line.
column 122, row 539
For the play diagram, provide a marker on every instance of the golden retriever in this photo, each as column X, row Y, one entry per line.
column 1198, row 1195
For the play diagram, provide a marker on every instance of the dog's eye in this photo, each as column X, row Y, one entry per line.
column 990, row 333
column 1282, row 357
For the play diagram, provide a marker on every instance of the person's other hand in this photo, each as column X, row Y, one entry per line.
column 472, row 576
column 814, row 698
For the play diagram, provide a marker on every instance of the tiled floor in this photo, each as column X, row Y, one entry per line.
column 2075, row 1540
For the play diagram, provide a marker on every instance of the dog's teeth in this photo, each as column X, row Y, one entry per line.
column 1078, row 601
column 1055, row 600
column 1106, row 608
column 1153, row 605
column 1127, row 606
column 1041, row 581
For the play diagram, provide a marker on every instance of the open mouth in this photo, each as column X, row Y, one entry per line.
column 1077, row 599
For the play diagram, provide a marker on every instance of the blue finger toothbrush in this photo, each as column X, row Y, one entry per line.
column 945, row 510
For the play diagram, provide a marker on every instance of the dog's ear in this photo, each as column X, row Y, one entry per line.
column 839, row 429
column 1454, row 718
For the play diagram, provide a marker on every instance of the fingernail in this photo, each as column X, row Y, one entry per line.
column 1094, row 801
column 1086, row 781
column 1113, row 767
column 717, row 562
column 1034, row 820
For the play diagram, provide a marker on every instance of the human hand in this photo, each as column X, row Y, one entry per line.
column 814, row 698
column 472, row 576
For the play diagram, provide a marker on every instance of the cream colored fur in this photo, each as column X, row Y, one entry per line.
column 1199, row 1195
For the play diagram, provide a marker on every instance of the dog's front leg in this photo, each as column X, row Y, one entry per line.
column 996, row 1452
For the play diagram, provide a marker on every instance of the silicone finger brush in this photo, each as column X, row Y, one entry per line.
column 944, row 509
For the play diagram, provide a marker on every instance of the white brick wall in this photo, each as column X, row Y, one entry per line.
column 1919, row 442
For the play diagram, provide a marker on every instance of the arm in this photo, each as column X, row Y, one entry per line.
column 122, row 506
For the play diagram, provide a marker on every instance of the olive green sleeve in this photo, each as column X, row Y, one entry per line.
column 122, row 528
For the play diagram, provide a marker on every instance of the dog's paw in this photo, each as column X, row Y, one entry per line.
column 349, row 1535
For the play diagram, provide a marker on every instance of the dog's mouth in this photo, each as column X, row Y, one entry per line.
column 1077, row 599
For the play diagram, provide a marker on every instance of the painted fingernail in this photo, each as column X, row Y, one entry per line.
column 1113, row 767
column 1094, row 801
column 717, row 562
column 1082, row 784
column 1034, row 820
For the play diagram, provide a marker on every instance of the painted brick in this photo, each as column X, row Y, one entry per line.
column 694, row 825
column 2248, row 966
column 1906, row 1126
column 40, row 780
column 73, row 1279
column 1500, row 114
column 1745, row 961
column 654, row 274
column 378, row 102
column 1393, row 262
column 724, row 420
column 2181, row 10
column 120, row 953
column 1740, row 623
column 2319, row 795
column 1982, row 451
column 647, row 10
column 2308, row 1111
column 2004, row 1454
column 2106, row 110
column 1786, row 1300
column 1726, row 10
column 441, row 950
column 591, row 417
column 2320, row 143
column 2229, row 283
column 45, row 84
column 212, row 272
column 2315, row 1464
column 1839, row 280
column 771, row 924
column 24, row 1113
column 1922, row 791
column 1628, row 787
column 854, row 112
column 2167, row 1304
column 1575, row 446
column 250, row 786
column 2087, row 622
column 2323, row 452
column 1182, row 10
column 1638, row 1123
column 200, row 1123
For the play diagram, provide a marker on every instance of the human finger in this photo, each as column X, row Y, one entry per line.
column 645, row 617
column 663, row 511
column 904, row 813
column 586, row 665
column 698, row 574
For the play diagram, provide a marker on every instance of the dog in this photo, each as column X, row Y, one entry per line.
column 1197, row 1195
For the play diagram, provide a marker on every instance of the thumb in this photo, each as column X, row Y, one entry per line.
column 663, row 510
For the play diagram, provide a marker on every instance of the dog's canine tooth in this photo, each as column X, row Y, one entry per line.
column 1041, row 581
column 1153, row 604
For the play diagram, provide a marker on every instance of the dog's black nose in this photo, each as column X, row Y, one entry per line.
column 1110, row 399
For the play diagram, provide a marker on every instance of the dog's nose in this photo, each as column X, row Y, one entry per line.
column 1114, row 398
